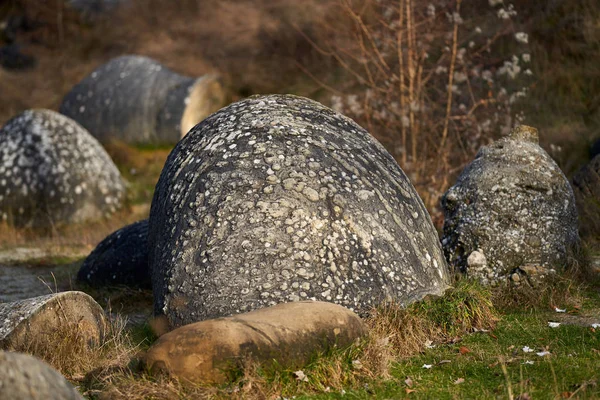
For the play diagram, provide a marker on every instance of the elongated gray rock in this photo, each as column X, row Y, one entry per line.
column 25, row 377
column 511, row 211
column 120, row 259
column 53, row 171
column 41, row 321
column 278, row 198
column 137, row 100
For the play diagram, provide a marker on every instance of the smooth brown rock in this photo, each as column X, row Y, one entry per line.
column 40, row 321
column 25, row 377
column 287, row 333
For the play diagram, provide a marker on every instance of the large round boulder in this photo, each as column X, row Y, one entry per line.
column 120, row 259
column 278, row 198
column 512, row 211
column 53, row 171
column 135, row 99
column 25, row 377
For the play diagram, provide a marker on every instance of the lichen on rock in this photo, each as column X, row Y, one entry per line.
column 52, row 171
column 511, row 207
column 276, row 199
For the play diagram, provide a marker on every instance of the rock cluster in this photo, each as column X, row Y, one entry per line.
column 120, row 259
column 278, row 198
column 53, row 171
column 511, row 209
column 135, row 99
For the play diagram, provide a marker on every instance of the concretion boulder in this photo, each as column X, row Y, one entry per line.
column 586, row 185
column 52, row 171
column 39, row 322
column 25, row 377
column 135, row 99
column 120, row 259
column 278, row 198
column 288, row 334
column 511, row 208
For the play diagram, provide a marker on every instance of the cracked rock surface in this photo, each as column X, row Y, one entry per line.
column 120, row 259
column 276, row 199
column 53, row 171
column 511, row 208
column 135, row 99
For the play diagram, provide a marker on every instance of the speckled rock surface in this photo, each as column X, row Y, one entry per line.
column 120, row 259
column 137, row 100
column 44, row 319
column 276, row 199
column 25, row 377
column 513, row 207
column 53, row 171
column 586, row 185
column 289, row 334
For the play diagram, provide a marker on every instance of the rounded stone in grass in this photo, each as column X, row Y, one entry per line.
column 52, row 171
column 511, row 209
column 120, row 259
column 38, row 323
column 276, row 199
column 287, row 335
column 23, row 376
column 135, row 99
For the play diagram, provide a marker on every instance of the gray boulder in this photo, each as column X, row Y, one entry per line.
column 39, row 322
column 25, row 377
column 511, row 211
column 53, row 171
column 137, row 100
column 276, row 199
column 120, row 259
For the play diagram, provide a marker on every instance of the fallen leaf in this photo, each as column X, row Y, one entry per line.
column 529, row 362
column 427, row 366
column 459, row 381
column 492, row 335
column 595, row 326
column 444, row 362
column 566, row 395
column 464, row 350
column 553, row 324
column 408, row 381
column 560, row 310
column 543, row 353
column 356, row 364
column 527, row 349
column 409, row 391
column 429, row 344
column 300, row 376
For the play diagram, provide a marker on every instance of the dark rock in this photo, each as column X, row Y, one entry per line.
column 285, row 334
column 53, row 171
column 511, row 207
column 586, row 186
column 278, row 198
column 11, row 58
column 25, row 377
column 137, row 100
column 120, row 259
column 39, row 322
column 595, row 149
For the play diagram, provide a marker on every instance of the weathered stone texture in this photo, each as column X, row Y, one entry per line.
column 288, row 334
column 42, row 320
column 53, row 171
column 120, row 259
column 137, row 100
column 25, row 377
column 278, row 198
column 512, row 207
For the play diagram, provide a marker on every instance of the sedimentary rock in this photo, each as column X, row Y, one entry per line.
column 137, row 100
column 278, row 198
column 120, row 259
column 586, row 185
column 39, row 322
column 53, row 171
column 511, row 208
column 288, row 334
column 25, row 377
